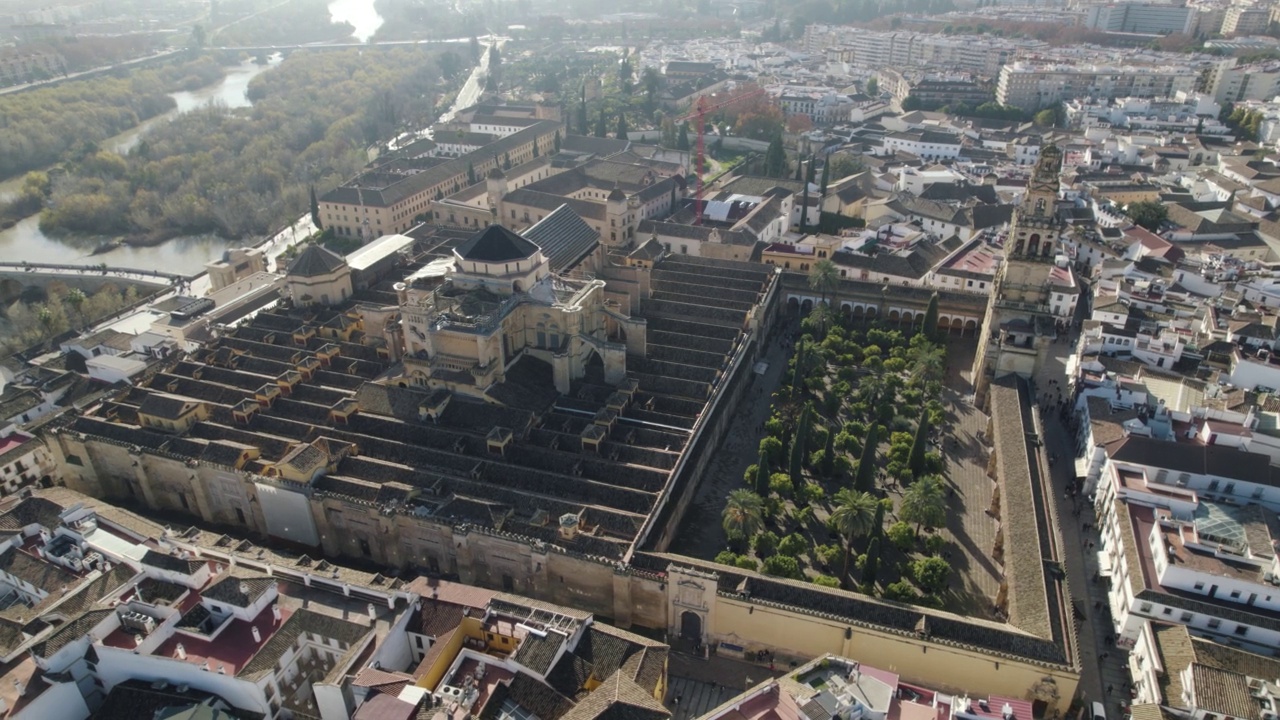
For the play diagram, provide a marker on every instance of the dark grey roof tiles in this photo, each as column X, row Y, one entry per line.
column 563, row 237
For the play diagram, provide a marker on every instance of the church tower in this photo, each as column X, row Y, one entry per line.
column 1019, row 324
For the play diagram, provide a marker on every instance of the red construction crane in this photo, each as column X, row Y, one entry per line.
column 699, row 114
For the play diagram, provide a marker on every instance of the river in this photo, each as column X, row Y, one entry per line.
column 25, row 242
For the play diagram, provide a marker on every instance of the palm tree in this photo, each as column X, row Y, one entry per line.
column 929, row 364
column 743, row 514
column 75, row 298
column 825, row 278
column 925, row 503
column 854, row 516
column 823, row 317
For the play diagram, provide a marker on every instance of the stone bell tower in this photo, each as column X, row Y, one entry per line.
column 1019, row 324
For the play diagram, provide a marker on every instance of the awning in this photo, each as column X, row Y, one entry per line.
column 1104, row 564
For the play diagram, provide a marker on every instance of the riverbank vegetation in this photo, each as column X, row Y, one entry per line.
column 38, row 127
column 41, row 314
column 245, row 171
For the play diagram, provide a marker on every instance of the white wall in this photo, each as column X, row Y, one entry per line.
column 287, row 514
column 60, row 700
column 116, row 666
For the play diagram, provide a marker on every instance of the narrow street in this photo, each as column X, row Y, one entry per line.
column 1104, row 671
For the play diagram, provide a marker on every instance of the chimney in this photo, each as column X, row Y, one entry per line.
column 257, row 636
column 373, row 613
column 275, row 612
column 244, row 588
column 137, row 640
column 222, row 669
column 20, row 687
column 181, row 652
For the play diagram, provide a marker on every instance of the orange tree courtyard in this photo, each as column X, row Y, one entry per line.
column 848, row 488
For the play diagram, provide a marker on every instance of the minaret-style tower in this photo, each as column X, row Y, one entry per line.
column 1020, row 325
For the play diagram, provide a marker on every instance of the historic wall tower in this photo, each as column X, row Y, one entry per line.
column 1020, row 325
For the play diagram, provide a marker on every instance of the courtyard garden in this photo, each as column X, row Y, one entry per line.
column 849, row 487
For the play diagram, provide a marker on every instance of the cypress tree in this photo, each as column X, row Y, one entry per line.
column 682, row 141
column 622, row 126
column 535, row 147
column 915, row 461
column 762, row 476
column 871, row 565
column 931, row 318
column 829, row 454
column 797, row 379
column 826, row 175
column 471, row 174
column 315, row 209
column 877, row 527
column 582, row 113
column 602, row 125
column 557, row 140
column 798, row 448
column 865, row 480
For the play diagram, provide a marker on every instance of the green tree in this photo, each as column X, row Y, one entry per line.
column 651, row 81
column 1046, row 118
column 901, row 535
column 925, row 503
column 853, row 517
column 535, row 147
column 743, row 515
column 199, row 36
column 829, row 455
column 843, row 165
column 506, row 161
column 873, row 87
column 919, row 446
column 900, row 591
column 771, row 448
column 315, row 210
column 624, row 76
column 622, row 126
column 795, row 466
column 762, row 475
column 824, row 278
column 76, row 298
column 557, row 141
column 471, row 173
column 782, row 566
column 682, row 141
column 798, row 376
column 793, row 545
column 931, row 319
column 582, row 113
column 1150, row 214
column 865, row 480
column 775, row 158
column 871, row 566
column 475, row 50
column 931, row 573
column 826, row 581
column 826, row 176
column 602, row 125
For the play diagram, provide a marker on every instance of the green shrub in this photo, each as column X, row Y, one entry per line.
column 765, row 543
column 900, row 591
column 793, row 545
column 782, row 566
column 935, row 544
column 726, row 557
column 780, row 484
column 747, row 563
column 826, row 581
column 901, row 535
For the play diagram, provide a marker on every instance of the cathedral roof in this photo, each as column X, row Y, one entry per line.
column 496, row 244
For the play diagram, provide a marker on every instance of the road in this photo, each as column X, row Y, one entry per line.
column 89, row 73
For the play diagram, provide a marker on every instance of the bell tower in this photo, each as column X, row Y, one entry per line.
column 1019, row 324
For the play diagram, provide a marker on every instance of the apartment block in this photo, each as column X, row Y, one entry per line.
column 1032, row 86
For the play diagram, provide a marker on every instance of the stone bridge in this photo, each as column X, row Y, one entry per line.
column 19, row 280
column 959, row 313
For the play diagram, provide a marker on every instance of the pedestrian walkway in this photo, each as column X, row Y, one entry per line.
column 1105, row 671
